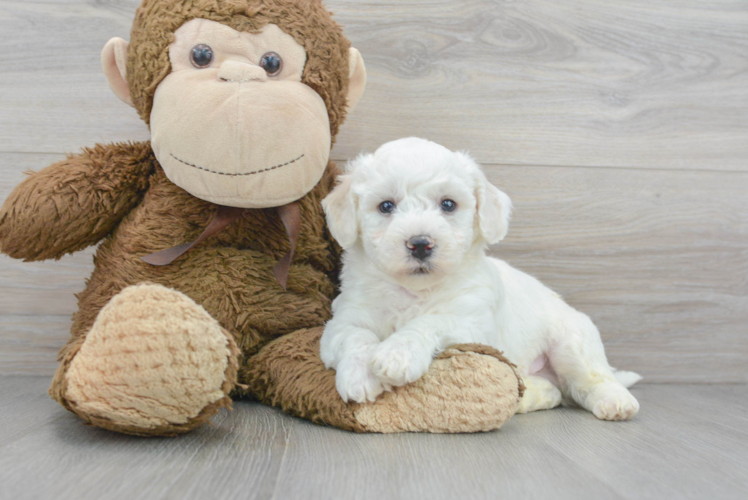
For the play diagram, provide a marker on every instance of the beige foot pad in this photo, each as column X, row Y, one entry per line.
column 470, row 388
column 154, row 363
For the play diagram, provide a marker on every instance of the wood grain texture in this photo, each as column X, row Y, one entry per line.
column 688, row 442
column 669, row 451
column 239, row 455
column 24, row 407
column 657, row 256
column 29, row 343
column 631, row 83
column 654, row 249
column 658, row 259
column 582, row 82
column 54, row 96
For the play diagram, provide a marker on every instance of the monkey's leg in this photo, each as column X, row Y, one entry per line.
column 153, row 363
column 469, row 388
column 236, row 288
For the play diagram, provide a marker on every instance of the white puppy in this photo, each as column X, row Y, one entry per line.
column 415, row 219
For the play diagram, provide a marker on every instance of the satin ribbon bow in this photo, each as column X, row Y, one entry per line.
column 289, row 214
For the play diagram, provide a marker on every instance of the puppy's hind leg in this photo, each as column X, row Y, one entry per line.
column 579, row 360
column 540, row 394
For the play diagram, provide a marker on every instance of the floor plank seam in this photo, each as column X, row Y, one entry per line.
column 485, row 163
column 605, row 167
column 280, row 466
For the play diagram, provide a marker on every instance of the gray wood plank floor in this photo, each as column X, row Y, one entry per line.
column 689, row 441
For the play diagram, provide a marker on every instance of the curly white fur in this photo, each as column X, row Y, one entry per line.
column 396, row 310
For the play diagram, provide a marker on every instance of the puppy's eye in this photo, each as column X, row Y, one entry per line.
column 201, row 56
column 271, row 63
column 448, row 205
column 387, row 207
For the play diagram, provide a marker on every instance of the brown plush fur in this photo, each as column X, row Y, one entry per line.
column 75, row 203
column 306, row 388
column 472, row 394
column 231, row 275
column 119, row 194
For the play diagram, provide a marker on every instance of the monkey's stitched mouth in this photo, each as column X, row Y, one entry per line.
column 238, row 175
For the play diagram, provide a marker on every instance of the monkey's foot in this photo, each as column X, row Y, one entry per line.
column 469, row 388
column 154, row 363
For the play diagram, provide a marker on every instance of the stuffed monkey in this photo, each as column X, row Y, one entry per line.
column 215, row 270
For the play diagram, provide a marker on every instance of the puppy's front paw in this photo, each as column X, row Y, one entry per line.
column 398, row 362
column 355, row 381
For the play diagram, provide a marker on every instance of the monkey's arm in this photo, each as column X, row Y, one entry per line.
column 74, row 203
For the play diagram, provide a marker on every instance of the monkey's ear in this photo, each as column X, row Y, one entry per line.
column 356, row 78
column 340, row 210
column 114, row 64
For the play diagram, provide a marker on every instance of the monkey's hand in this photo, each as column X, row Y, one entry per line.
column 76, row 202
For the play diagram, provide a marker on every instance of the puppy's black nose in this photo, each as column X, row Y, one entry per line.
column 420, row 246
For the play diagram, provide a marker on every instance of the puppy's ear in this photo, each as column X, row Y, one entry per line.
column 494, row 211
column 340, row 210
column 494, row 206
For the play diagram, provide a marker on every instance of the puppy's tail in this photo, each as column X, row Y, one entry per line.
column 627, row 379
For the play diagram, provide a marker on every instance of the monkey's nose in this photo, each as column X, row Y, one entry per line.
column 420, row 246
column 236, row 71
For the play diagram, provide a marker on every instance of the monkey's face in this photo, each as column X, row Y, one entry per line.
column 232, row 123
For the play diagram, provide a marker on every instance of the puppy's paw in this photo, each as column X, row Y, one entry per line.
column 617, row 404
column 399, row 362
column 616, row 408
column 540, row 394
column 355, row 381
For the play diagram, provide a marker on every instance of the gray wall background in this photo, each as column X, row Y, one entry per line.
column 619, row 129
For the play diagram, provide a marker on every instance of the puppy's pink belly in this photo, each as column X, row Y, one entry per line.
column 537, row 365
column 541, row 367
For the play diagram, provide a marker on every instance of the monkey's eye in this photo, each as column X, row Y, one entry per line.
column 387, row 207
column 201, row 56
column 448, row 205
column 271, row 63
